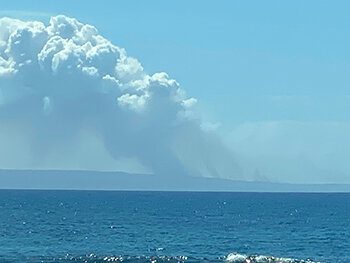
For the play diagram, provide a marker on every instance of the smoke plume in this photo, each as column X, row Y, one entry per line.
column 70, row 99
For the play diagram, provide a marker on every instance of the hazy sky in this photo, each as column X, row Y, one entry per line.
column 271, row 77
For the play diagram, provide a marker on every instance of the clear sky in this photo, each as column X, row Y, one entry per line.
column 273, row 74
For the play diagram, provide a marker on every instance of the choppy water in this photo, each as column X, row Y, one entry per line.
column 87, row 226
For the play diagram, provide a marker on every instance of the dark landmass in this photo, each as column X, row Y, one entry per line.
column 95, row 180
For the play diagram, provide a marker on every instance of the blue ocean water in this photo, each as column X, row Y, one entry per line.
column 93, row 226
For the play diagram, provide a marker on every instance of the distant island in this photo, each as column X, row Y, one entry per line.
column 96, row 180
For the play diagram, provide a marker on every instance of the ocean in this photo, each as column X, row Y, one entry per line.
column 115, row 226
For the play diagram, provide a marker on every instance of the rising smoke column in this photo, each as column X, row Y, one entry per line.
column 62, row 80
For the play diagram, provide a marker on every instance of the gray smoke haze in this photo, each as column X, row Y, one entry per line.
column 70, row 99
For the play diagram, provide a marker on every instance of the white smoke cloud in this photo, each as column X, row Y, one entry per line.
column 69, row 98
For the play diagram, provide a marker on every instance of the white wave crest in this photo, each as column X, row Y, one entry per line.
column 242, row 258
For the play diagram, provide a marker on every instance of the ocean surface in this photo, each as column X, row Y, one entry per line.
column 93, row 226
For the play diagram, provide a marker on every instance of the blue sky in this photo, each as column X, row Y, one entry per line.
column 274, row 74
column 244, row 60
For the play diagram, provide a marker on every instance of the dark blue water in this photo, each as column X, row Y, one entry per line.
column 87, row 226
